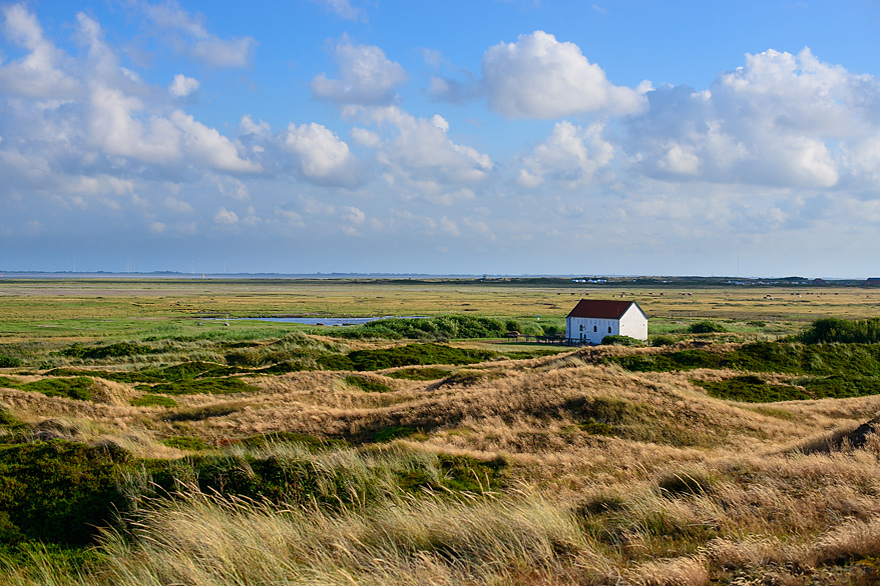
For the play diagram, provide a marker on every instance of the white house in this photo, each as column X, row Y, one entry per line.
column 593, row 319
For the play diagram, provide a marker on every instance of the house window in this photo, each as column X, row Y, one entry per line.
column 582, row 327
column 595, row 329
column 609, row 329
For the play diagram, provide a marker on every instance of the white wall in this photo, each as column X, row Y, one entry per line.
column 601, row 327
column 632, row 323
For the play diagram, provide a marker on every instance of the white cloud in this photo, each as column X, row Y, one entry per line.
column 366, row 77
column 450, row 198
column 571, row 156
column 234, row 188
column 322, row 156
column 39, row 74
column 680, row 159
column 290, row 218
column 539, row 77
column 183, row 86
column 366, row 138
column 177, row 205
column 224, row 216
column 208, row 145
column 248, row 126
column 342, row 9
column 448, row 226
column 188, row 35
column 779, row 120
column 420, row 150
column 354, row 215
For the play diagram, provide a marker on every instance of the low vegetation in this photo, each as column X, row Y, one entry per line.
column 385, row 455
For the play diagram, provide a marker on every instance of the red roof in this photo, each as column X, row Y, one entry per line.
column 601, row 308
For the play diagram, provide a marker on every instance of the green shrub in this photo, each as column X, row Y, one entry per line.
column 752, row 389
column 335, row 362
column 58, row 491
column 117, row 350
column 705, row 327
column 444, row 327
column 662, row 340
column 419, row 374
column 79, row 388
column 831, row 329
column 9, row 361
column 616, row 340
column 367, row 385
column 416, row 355
column 214, row 386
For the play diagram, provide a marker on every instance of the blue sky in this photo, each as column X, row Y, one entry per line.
column 518, row 137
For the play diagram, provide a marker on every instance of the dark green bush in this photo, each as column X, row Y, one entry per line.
column 367, row 385
column 214, row 386
column 752, row 389
column 79, row 388
column 831, row 329
column 117, row 350
column 9, row 361
column 444, row 327
column 416, row 355
column 705, row 327
column 615, row 340
column 58, row 491
column 420, row 374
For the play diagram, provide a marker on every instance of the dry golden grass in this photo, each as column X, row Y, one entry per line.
column 678, row 489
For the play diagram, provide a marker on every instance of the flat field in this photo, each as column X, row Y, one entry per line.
column 144, row 442
column 90, row 309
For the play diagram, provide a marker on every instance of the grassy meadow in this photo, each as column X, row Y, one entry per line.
column 143, row 441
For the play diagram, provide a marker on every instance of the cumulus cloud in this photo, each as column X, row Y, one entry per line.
column 779, row 120
column 540, row 77
column 571, row 156
column 420, row 150
column 366, row 77
column 183, row 86
column 224, row 216
column 87, row 127
column 40, row 73
column 322, row 156
column 354, row 215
